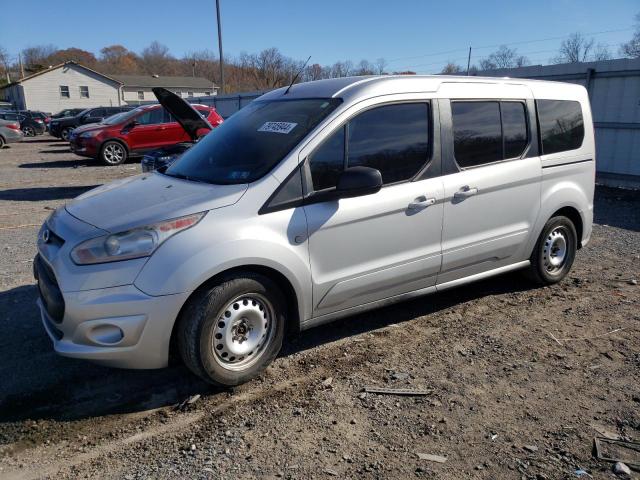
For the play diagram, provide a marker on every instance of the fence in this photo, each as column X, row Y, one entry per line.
column 614, row 91
column 227, row 105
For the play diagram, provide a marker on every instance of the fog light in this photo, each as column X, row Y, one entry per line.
column 106, row 334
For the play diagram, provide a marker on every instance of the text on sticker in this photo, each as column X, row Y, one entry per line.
column 277, row 127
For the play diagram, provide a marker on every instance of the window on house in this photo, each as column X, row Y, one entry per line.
column 393, row 139
column 84, row 91
column 189, row 94
column 179, row 93
column 140, row 95
column 561, row 125
column 64, row 91
column 207, row 93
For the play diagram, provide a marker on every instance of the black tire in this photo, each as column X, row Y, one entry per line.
column 1, row 143
column 549, row 262
column 207, row 320
column 66, row 133
column 113, row 153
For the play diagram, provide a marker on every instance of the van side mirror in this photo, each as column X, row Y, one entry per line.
column 358, row 181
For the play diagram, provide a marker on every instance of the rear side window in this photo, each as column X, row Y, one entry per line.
column 393, row 139
column 561, row 125
column 487, row 132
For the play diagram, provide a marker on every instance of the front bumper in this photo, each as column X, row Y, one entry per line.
column 83, row 146
column 117, row 326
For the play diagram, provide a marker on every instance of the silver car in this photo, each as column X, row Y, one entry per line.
column 10, row 132
column 314, row 203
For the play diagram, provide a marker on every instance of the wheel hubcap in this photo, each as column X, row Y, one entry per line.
column 28, row 131
column 113, row 153
column 242, row 331
column 555, row 250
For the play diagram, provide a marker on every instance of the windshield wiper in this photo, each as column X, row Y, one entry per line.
column 182, row 176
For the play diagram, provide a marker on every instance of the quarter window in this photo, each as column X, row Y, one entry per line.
column 64, row 91
column 514, row 128
column 487, row 132
column 561, row 125
column 84, row 91
column 393, row 139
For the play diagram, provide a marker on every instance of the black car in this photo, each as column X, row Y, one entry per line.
column 62, row 127
column 68, row 112
column 30, row 126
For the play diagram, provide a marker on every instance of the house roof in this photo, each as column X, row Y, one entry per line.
column 55, row 67
column 150, row 81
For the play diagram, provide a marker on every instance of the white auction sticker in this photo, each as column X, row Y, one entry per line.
column 277, row 127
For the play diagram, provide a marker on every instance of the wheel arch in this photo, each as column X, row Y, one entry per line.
column 285, row 285
column 114, row 139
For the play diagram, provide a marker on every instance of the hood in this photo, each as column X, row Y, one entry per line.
column 149, row 198
column 187, row 116
column 87, row 127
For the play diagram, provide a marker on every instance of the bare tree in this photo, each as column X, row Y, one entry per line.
column 504, row 57
column 601, row 52
column 157, row 60
column 451, row 69
column 631, row 48
column 315, row 72
column 36, row 58
column 4, row 66
column 380, row 66
column 575, row 49
column 365, row 68
column 342, row 69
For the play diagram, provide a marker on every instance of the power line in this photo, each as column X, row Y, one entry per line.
column 508, row 44
column 463, row 59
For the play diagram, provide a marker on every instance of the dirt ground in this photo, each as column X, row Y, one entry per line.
column 519, row 379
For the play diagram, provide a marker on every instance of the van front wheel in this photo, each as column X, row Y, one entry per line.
column 554, row 252
column 229, row 333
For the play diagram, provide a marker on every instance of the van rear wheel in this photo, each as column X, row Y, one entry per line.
column 229, row 333
column 554, row 252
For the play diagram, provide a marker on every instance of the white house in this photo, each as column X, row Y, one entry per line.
column 68, row 85
column 137, row 88
column 71, row 85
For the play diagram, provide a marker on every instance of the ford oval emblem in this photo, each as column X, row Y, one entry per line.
column 46, row 235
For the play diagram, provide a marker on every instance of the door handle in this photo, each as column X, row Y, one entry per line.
column 465, row 192
column 421, row 202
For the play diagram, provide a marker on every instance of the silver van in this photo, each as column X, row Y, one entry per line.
column 313, row 203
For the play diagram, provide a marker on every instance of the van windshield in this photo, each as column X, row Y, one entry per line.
column 252, row 141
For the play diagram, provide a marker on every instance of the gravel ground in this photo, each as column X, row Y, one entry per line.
column 519, row 379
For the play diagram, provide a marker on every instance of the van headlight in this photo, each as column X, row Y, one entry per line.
column 134, row 243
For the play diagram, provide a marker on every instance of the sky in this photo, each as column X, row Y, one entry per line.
column 410, row 34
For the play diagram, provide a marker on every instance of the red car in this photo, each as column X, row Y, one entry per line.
column 145, row 128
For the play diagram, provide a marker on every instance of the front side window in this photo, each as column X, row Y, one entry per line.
column 64, row 91
column 84, row 92
column 488, row 131
column 252, row 141
column 561, row 125
column 393, row 139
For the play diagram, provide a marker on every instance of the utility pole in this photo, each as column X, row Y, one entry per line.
column 469, row 62
column 220, row 47
column 21, row 65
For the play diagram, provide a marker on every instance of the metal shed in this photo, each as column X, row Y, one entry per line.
column 614, row 90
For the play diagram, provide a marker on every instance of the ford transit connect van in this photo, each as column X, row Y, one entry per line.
column 314, row 203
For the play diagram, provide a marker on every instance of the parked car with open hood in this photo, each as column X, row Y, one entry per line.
column 193, row 121
column 9, row 132
column 146, row 128
column 315, row 202
column 62, row 127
